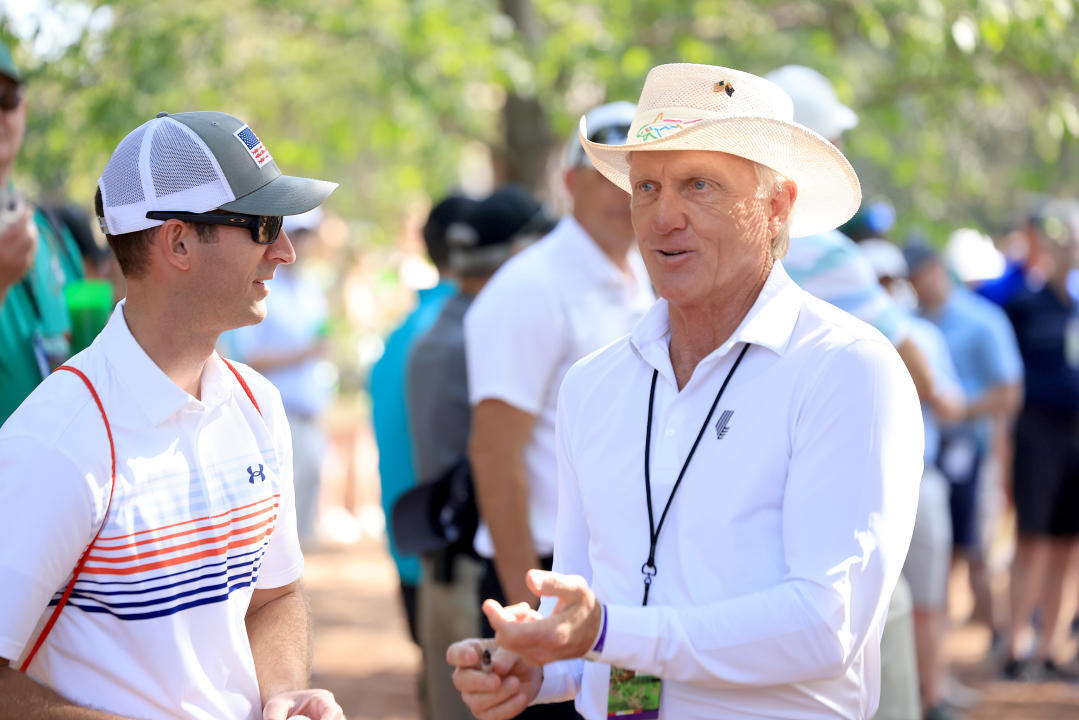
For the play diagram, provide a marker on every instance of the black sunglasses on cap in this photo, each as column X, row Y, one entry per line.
column 264, row 228
column 11, row 94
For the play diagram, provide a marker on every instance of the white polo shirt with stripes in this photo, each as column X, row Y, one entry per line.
column 201, row 515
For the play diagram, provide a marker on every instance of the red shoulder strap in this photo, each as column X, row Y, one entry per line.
column 243, row 384
column 82, row 560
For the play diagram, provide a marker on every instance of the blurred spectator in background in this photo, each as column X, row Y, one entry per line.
column 983, row 348
column 929, row 557
column 439, row 419
column 1025, row 255
column 1046, row 474
column 36, row 262
column 830, row 266
column 581, row 287
column 97, row 257
column 872, row 221
column 289, row 348
column 389, row 400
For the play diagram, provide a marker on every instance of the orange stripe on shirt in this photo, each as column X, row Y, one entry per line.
column 216, row 552
column 201, row 542
column 186, row 522
column 192, row 531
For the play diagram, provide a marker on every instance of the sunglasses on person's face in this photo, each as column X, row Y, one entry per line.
column 611, row 135
column 264, row 229
column 10, row 95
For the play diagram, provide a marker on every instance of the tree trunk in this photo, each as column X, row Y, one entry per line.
column 527, row 136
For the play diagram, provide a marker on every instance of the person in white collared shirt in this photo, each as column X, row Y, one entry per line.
column 577, row 289
column 738, row 478
column 149, row 563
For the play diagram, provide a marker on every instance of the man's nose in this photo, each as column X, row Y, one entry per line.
column 669, row 213
column 281, row 250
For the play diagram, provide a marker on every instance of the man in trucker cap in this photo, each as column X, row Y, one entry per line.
column 149, row 564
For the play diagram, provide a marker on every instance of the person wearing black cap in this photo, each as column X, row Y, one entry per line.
column 37, row 259
column 439, row 419
column 150, row 565
column 389, row 401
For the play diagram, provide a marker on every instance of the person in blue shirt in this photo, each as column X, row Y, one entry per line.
column 389, row 406
column 990, row 369
column 1046, row 477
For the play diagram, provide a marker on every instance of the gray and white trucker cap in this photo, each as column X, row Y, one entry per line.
column 197, row 162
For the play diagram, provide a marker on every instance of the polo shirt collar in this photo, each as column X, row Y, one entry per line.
column 148, row 387
column 769, row 323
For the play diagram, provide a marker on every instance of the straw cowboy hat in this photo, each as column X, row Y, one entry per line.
column 704, row 107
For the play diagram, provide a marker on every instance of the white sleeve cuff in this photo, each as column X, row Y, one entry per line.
column 561, row 681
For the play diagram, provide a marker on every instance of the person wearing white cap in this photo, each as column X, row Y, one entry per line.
column 739, row 475
column 150, row 565
column 579, row 288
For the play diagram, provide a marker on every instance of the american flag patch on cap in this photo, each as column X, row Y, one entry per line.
column 254, row 146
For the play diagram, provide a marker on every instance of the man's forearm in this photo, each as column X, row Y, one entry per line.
column 502, row 494
column 918, row 367
column 1001, row 401
column 280, row 643
column 21, row 698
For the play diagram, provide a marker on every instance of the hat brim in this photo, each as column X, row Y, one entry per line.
column 828, row 189
column 284, row 195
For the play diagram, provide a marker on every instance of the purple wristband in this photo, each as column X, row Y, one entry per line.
column 598, row 647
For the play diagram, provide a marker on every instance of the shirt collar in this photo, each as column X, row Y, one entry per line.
column 769, row 323
column 149, row 387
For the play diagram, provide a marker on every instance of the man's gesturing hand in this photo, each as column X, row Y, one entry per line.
column 314, row 704
column 497, row 686
column 568, row 632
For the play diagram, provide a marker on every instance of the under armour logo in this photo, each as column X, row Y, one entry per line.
column 722, row 424
column 255, row 474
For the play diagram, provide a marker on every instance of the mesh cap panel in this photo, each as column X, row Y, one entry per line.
column 177, row 163
column 121, row 185
column 161, row 165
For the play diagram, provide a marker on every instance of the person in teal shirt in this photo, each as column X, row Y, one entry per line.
column 37, row 259
column 388, row 392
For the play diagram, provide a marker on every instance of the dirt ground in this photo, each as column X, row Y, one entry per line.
column 363, row 653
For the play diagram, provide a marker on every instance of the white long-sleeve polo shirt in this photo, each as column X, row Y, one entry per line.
column 786, row 538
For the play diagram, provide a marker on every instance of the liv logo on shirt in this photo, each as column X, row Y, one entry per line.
column 256, row 474
column 722, row 425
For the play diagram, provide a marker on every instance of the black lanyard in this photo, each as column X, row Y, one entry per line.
column 649, row 567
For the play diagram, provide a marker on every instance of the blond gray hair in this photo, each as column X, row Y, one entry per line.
column 769, row 182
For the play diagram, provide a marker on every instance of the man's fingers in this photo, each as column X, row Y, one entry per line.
column 466, row 653
column 547, row 584
column 476, row 682
column 503, row 660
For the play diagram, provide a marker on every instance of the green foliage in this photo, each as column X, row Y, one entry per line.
column 964, row 104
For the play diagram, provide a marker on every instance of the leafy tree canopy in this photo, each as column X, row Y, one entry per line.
column 965, row 105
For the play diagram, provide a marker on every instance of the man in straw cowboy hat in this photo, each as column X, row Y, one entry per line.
column 739, row 475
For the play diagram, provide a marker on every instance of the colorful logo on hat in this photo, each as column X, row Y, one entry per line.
column 656, row 129
column 254, row 146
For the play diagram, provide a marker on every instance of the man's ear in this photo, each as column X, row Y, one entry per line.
column 569, row 177
column 173, row 241
column 782, row 204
